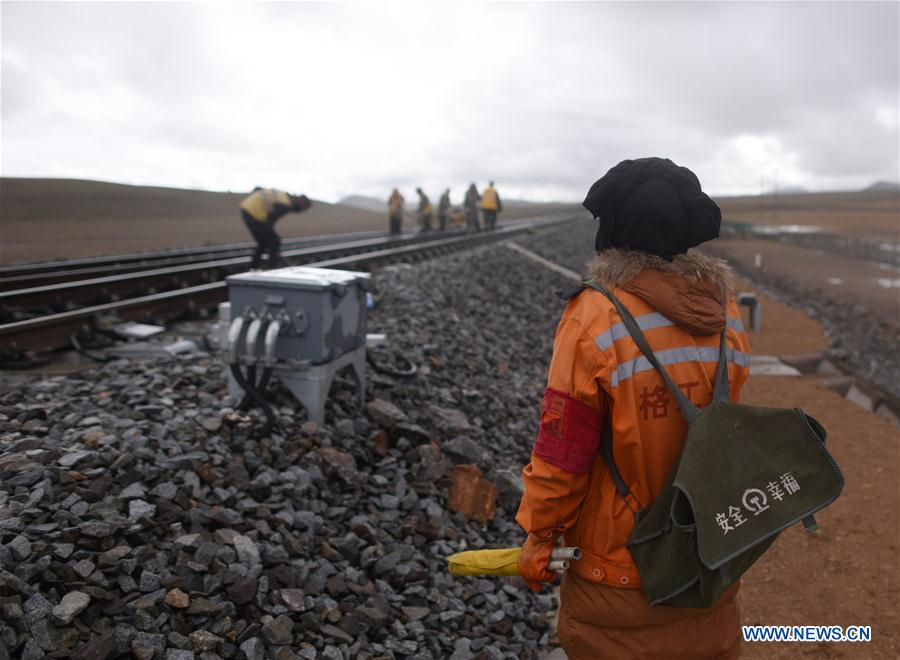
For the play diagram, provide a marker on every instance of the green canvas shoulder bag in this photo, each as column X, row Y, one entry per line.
column 745, row 473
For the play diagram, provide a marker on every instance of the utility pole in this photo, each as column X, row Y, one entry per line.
column 775, row 198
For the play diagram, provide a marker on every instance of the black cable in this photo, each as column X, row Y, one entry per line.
column 409, row 372
column 261, row 385
column 247, row 401
column 258, row 398
column 264, row 380
column 77, row 346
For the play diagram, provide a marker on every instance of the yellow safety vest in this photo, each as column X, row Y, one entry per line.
column 489, row 199
column 259, row 204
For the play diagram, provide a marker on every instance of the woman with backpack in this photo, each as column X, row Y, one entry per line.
column 651, row 212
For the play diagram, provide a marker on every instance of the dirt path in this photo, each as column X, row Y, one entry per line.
column 785, row 330
column 846, row 573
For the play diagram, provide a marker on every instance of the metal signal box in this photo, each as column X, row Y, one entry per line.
column 321, row 312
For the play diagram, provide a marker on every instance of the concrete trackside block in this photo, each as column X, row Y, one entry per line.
column 769, row 365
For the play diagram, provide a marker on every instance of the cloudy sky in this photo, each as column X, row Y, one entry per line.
column 335, row 99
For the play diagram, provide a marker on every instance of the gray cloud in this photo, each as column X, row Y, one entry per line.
column 342, row 98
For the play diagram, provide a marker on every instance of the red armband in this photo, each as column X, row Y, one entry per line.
column 570, row 432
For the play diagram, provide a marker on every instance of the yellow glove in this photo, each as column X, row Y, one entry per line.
column 534, row 558
column 502, row 562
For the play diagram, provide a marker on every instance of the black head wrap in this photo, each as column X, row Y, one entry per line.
column 653, row 205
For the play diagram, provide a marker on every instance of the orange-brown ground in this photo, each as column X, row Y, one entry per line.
column 875, row 213
column 848, row 572
column 785, row 330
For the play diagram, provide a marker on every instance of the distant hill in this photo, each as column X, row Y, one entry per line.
column 365, row 203
column 37, row 200
column 66, row 218
column 788, row 190
column 883, row 186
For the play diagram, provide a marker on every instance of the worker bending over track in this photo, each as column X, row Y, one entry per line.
column 651, row 212
column 260, row 210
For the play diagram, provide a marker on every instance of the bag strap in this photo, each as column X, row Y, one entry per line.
column 722, row 388
column 606, row 451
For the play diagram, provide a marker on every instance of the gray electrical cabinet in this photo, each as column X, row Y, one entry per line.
column 322, row 312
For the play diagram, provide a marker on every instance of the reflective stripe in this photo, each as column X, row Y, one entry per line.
column 648, row 322
column 677, row 355
column 489, row 200
column 619, row 331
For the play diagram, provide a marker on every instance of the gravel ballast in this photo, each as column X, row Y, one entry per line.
column 139, row 517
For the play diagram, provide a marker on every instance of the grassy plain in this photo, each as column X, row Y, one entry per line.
column 872, row 213
column 828, row 268
column 44, row 219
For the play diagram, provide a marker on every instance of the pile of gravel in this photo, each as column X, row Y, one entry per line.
column 139, row 517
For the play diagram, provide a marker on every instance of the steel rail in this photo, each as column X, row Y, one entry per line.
column 97, row 290
column 149, row 255
column 54, row 331
column 33, row 275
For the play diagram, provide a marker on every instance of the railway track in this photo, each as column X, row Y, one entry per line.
column 165, row 293
column 45, row 273
column 66, row 295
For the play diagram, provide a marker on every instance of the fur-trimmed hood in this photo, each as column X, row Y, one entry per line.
column 615, row 266
column 690, row 290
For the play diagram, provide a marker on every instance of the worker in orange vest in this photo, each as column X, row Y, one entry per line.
column 260, row 210
column 426, row 211
column 490, row 206
column 444, row 210
column 470, row 203
column 395, row 211
column 651, row 212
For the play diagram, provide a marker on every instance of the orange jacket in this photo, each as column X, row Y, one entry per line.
column 395, row 205
column 598, row 371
